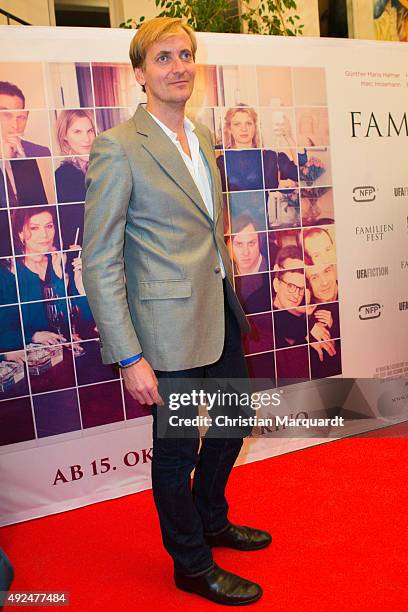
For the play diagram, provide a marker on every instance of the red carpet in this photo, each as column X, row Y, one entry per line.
column 338, row 514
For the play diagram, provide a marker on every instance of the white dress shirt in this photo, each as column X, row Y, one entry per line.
column 196, row 165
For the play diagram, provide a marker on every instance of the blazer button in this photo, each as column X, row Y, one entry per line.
column 217, row 270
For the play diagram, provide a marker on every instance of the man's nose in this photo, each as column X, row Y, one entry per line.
column 178, row 65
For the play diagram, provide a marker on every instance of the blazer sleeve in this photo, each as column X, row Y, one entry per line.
column 109, row 187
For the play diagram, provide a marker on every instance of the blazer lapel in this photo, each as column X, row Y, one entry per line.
column 166, row 154
column 208, row 152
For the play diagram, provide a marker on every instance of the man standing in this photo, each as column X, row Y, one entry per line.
column 154, row 212
column 23, row 178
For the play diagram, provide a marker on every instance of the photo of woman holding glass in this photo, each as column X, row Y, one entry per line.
column 40, row 272
column 75, row 133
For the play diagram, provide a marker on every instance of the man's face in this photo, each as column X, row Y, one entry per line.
column 169, row 70
column 245, row 246
column 290, row 289
column 13, row 122
column 320, row 248
column 323, row 282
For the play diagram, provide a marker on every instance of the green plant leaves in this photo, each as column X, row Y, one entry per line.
column 266, row 17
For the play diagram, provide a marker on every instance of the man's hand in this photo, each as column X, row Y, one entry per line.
column 329, row 347
column 13, row 146
column 142, row 384
column 324, row 317
column 319, row 332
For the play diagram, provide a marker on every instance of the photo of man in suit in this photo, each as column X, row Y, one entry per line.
column 153, row 212
column 246, row 248
column 23, row 178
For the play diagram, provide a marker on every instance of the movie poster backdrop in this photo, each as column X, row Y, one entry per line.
column 270, row 126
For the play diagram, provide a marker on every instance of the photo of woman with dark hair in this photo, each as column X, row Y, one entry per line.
column 244, row 158
column 75, row 132
column 40, row 271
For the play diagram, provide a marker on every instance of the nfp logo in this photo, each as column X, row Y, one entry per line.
column 364, row 193
column 369, row 311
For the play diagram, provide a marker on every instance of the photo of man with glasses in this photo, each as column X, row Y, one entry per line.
column 289, row 289
column 290, row 322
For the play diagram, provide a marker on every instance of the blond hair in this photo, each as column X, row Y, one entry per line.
column 64, row 122
column 229, row 142
column 154, row 30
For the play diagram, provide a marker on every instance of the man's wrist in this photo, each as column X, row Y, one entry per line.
column 126, row 363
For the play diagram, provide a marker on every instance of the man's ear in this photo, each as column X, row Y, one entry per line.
column 275, row 284
column 140, row 77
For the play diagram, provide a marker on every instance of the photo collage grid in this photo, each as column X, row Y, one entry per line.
column 270, row 128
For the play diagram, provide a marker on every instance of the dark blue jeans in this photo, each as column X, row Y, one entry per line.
column 186, row 513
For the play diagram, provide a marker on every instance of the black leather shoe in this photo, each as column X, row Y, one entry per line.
column 220, row 586
column 240, row 538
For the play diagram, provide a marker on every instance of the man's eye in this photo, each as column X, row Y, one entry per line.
column 162, row 58
column 186, row 55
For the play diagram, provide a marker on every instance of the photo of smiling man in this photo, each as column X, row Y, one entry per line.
column 290, row 321
column 321, row 283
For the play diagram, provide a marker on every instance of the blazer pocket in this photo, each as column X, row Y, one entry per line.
column 164, row 289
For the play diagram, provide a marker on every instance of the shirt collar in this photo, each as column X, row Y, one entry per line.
column 188, row 126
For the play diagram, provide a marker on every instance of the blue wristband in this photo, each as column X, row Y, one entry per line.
column 129, row 360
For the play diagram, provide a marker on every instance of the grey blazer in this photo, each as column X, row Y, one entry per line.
column 145, row 220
